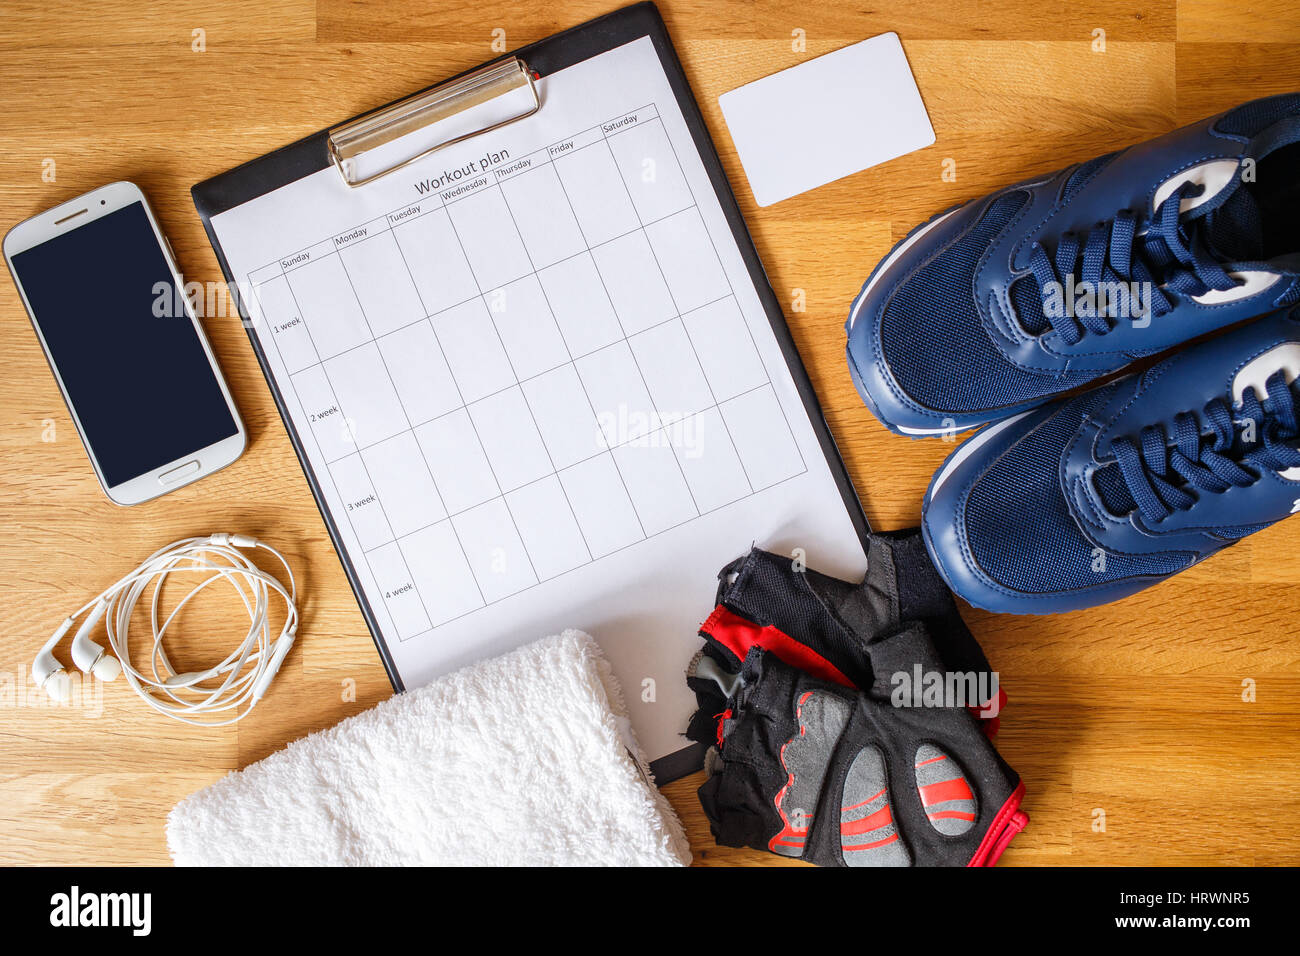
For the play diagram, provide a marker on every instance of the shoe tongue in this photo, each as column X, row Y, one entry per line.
column 1234, row 224
column 1234, row 229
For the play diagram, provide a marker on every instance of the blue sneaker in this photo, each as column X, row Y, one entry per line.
column 1096, row 497
column 1000, row 304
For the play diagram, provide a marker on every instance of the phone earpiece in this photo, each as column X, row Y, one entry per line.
column 89, row 656
column 47, row 672
column 107, row 668
column 50, row 676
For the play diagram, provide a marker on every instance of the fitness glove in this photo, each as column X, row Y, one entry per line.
column 815, row 770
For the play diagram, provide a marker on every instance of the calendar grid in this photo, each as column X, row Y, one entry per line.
column 587, row 244
column 335, row 397
column 453, row 514
column 730, row 291
column 569, row 352
column 497, row 331
column 405, row 393
column 442, row 504
column 748, row 331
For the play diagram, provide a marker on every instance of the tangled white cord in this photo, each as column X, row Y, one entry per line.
column 223, row 693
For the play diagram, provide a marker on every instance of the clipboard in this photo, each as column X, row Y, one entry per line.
column 436, row 111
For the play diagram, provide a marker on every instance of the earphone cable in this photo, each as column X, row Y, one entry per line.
column 227, row 691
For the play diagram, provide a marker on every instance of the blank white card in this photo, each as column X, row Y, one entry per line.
column 827, row 118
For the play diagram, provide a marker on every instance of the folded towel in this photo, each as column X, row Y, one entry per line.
column 527, row 758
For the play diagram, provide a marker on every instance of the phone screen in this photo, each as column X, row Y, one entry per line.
column 139, row 382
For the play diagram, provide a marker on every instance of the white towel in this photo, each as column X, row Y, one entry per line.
column 527, row 758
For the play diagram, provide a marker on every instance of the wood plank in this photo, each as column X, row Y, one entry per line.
column 1229, row 21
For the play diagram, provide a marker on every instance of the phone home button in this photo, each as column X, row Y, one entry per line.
column 179, row 472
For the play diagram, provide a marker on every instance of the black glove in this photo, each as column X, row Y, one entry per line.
column 813, row 769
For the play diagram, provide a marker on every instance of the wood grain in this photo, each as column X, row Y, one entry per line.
column 1134, row 709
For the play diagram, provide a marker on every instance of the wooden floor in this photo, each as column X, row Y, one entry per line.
column 1132, row 714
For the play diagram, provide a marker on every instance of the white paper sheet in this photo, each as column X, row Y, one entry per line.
column 538, row 389
column 826, row 119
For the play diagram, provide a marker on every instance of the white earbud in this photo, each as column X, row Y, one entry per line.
column 90, row 657
column 47, row 672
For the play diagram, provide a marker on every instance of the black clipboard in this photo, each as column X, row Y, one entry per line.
column 313, row 153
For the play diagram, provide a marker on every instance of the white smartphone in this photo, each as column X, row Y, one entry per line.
column 101, row 286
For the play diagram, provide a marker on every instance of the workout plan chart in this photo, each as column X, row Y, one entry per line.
column 536, row 386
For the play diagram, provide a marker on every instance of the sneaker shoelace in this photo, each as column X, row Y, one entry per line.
column 1159, row 255
column 1233, row 453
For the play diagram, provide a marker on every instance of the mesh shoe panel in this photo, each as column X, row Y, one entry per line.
column 1020, row 531
column 933, row 339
